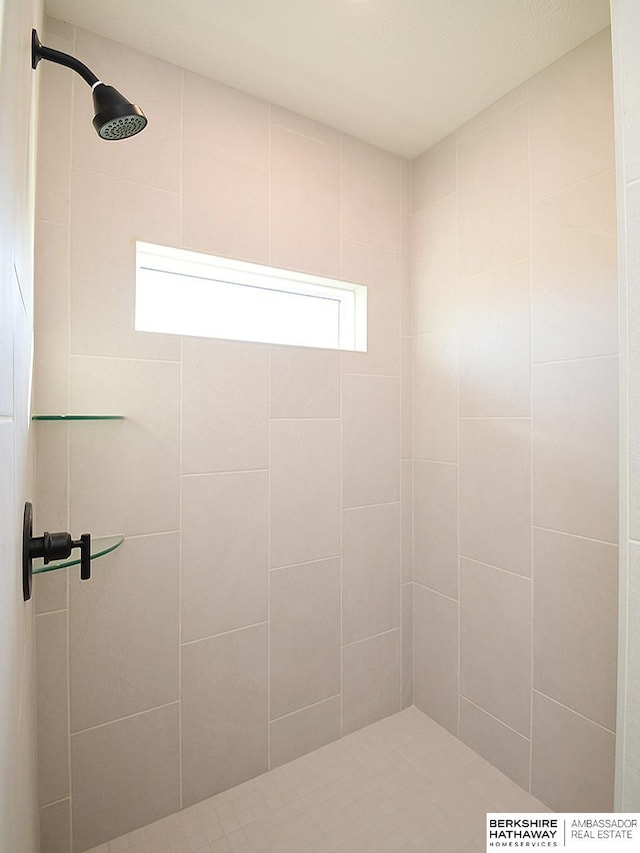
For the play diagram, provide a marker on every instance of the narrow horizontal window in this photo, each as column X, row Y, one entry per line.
column 188, row 293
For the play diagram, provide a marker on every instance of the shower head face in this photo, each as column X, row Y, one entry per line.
column 115, row 118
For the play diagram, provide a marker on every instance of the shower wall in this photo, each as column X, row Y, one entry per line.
column 515, row 384
column 254, row 610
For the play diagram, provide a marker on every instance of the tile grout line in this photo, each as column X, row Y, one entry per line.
column 458, row 466
column 498, row 720
column 574, row 711
column 340, row 428
column 269, row 436
column 372, row 637
column 400, row 424
column 224, row 633
column 181, row 461
column 126, row 717
column 531, row 442
column 305, row 708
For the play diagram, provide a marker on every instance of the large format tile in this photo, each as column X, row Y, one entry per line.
column 575, row 272
column 370, row 440
column 435, row 526
column 571, row 117
column 305, row 382
column 379, row 270
column 406, row 509
column 55, row 827
column 632, row 214
column 435, row 656
column 434, row 173
column 103, row 287
column 225, row 406
column 304, row 204
column 370, row 571
column 370, row 194
column 224, row 712
column 125, row 775
column 407, row 645
column 224, row 552
column 304, row 731
column 434, row 266
column 151, row 157
column 575, row 447
column 296, row 123
column 225, row 206
column 304, row 625
column 52, row 679
column 435, row 397
column 495, row 354
column 572, row 759
column 124, row 475
column 495, row 492
column 495, row 642
column 304, row 491
column 371, row 680
column 502, row 746
column 225, row 121
column 493, row 186
column 575, row 617
column 123, row 632
column 406, row 398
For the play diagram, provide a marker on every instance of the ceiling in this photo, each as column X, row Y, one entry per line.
column 401, row 74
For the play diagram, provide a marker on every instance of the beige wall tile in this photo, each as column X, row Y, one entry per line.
column 224, row 552
column 633, row 265
column 435, row 397
column 495, row 492
column 151, row 157
column 304, row 635
column 575, row 618
column 102, row 311
column 52, row 678
column 124, row 475
column 54, row 137
column 371, row 680
column 370, row 194
column 225, row 121
column 572, row 759
column 406, row 398
column 51, row 470
column 496, row 110
column 225, row 206
column 224, row 712
column 570, row 107
column 304, row 490
column 304, row 235
column 304, row 126
column 370, row 440
column 434, row 266
column 406, row 318
column 575, row 282
column 50, row 591
column 493, row 186
column 434, row 173
column 306, row 730
column 225, row 405
column 406, row 501
column 379, row 270
column 51, row 318
column 305, row 383
column 370, row 571
column 125, row 775
column 435, row 526
column 575, row 447
column 632, row 699
column 502, row 746
column 495, row 354
column 435, row 656
column 55, row 828
column 407, row 645
column 133, row 594
column 495, row 642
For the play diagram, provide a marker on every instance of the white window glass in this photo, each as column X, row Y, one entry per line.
column 187, row 293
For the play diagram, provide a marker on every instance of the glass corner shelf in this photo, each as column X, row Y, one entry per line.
column 100, row 545
column 77, row 417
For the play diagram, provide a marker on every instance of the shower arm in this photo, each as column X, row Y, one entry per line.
column 39, row 51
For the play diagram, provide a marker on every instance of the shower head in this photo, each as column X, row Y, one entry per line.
column 115, row 117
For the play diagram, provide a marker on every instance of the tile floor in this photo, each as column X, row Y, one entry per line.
column 401, row 785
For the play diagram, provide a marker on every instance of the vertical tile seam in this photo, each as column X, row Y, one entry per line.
column 341, row 496
column 458, row 419
column 527, row 101
column 180, row 480
column 398, row 334
column 269, row 352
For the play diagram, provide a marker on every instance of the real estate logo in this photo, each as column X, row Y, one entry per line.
column 597, row 832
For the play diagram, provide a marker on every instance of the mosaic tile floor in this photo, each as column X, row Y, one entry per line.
column 400, row 785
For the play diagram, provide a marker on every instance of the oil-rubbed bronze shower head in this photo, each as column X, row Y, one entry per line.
column 115, row 117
